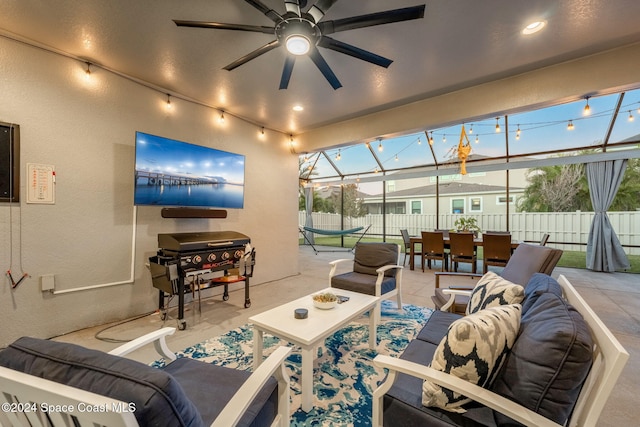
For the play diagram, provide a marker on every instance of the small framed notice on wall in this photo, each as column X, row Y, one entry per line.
column 41, row 180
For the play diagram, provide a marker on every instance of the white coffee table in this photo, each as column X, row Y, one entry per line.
column 309, row 333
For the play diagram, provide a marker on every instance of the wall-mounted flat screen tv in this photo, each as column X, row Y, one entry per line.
column 175, row 173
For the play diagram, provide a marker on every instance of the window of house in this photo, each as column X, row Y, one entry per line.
column 475, row 204
column 416, row 206
column 393, row 208
column 501, row 200
column 457, row 206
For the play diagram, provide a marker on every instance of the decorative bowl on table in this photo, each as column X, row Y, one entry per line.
column 325, row 300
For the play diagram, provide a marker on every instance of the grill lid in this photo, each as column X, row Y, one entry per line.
column 200, row 241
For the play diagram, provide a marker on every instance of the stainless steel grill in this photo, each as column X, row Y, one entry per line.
column 194, row 258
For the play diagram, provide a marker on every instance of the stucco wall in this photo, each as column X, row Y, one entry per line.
column 87, row 131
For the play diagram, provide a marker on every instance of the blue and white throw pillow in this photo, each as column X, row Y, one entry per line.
column 474, row 349
column 491, row 291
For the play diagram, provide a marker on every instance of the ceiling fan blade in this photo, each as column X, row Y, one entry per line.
column 320, row 8
column 354, row 51
column 222, row 26
column 270, row 13
column 286, row 71
column 264, row 49
column 292, row 6
column 325, row 69
column 371, row 19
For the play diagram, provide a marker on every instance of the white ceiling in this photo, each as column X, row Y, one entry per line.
column 459, row 43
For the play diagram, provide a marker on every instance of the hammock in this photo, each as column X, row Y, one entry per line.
column 332, row 233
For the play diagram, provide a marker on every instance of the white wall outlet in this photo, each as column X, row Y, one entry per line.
column 47, row 282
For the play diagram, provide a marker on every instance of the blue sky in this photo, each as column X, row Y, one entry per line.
column 541, row 130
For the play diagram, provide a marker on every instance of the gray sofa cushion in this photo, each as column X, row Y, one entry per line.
column 362, row 283
column 549, row 361
column 371, row 256
column 537, row 286
column 159, row 399
column 403, row 402
column 210, row 388
column 436, row 327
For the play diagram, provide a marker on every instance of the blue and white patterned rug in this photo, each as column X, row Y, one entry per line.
column 344, row 374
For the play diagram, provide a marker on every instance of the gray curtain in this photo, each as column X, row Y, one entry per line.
column 308, row 200
column 604, row 251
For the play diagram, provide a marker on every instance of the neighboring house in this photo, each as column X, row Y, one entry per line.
column 479, row 192
column 455, row 197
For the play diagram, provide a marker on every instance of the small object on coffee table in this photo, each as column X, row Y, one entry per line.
column 301, row 313
column 325, row 300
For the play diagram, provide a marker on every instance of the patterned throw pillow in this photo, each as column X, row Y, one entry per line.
column 474, row 349
column 491, row 291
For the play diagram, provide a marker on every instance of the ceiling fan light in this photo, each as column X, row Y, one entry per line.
column 298, row 44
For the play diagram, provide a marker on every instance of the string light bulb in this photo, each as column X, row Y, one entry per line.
column 431, row 139
column 168, row 102
column 221, row 119
column 477, row 139
column 470, row 129
column 261, row 133
column 497, row 124
column 570, row 125
column 380, row 147
column 444, row 138
column 338, row 156
column 419, row 141
column 518, row 133
column 87, row 73
column 630, row 116
column 587, row 110
column 397, row 158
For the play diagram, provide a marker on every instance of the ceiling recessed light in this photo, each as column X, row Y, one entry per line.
column 298, row 108
column 534, row 27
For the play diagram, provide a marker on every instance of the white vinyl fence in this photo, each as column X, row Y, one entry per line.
column 568, row 230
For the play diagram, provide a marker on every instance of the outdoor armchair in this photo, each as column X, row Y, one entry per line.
column 524, row 262
column 376, row 271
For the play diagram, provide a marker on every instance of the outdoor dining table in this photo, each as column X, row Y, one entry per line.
column 418, row 239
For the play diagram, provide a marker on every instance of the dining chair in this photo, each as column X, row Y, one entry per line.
column 433, row 249
column 462, row 249
column 407, row 243
column 496, row 250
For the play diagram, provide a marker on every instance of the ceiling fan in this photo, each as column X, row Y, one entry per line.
column 301, row 33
